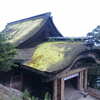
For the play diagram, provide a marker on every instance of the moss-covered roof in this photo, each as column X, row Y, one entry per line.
column 34, row 30
column 54, row 56
column 19, row 31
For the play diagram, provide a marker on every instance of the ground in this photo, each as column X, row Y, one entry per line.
column 73, row 94
column 88, row 98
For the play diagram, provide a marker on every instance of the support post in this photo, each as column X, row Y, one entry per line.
column 55, row 90
column 58, row 89
column 85, row 79
column 81, row 87
column 62, row 88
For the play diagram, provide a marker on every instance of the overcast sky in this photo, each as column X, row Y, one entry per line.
column 71, row 17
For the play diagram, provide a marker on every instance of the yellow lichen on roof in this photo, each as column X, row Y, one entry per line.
column 23, row 28
column 49, row 55
column 45, row 55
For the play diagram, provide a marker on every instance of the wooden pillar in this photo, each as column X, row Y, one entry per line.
column 55, row 90
column 85, row 79
column 81, row 78
column 62, row 88
column 58, row 89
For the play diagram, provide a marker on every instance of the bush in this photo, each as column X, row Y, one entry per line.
column 27, row 96
column 7, row 53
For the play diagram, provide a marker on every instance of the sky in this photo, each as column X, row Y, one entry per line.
column 73, row 18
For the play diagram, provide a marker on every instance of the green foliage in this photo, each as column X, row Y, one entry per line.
column 27, row 96
column 95, row 34
column 33, row 98
column 7, row 53
column 47, row 96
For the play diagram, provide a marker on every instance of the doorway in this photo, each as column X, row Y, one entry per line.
column 71, row 91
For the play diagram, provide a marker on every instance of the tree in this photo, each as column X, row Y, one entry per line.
column 7, row 53
column 93, row 38
column 96, row 32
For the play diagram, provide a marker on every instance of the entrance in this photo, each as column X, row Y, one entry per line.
column 71, row 81
column 68, row 87
column 71, row 87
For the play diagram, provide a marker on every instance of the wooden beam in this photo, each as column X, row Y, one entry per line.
column 85, row 79
column 71, row 72
column 65, row 74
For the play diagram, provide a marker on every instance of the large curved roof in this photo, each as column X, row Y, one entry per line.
column 55, row 56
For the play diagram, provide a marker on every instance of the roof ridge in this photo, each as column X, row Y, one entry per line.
column 44, row 15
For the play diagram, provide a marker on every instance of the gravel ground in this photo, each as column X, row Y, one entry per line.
column 72, row 94
column 88, row 98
